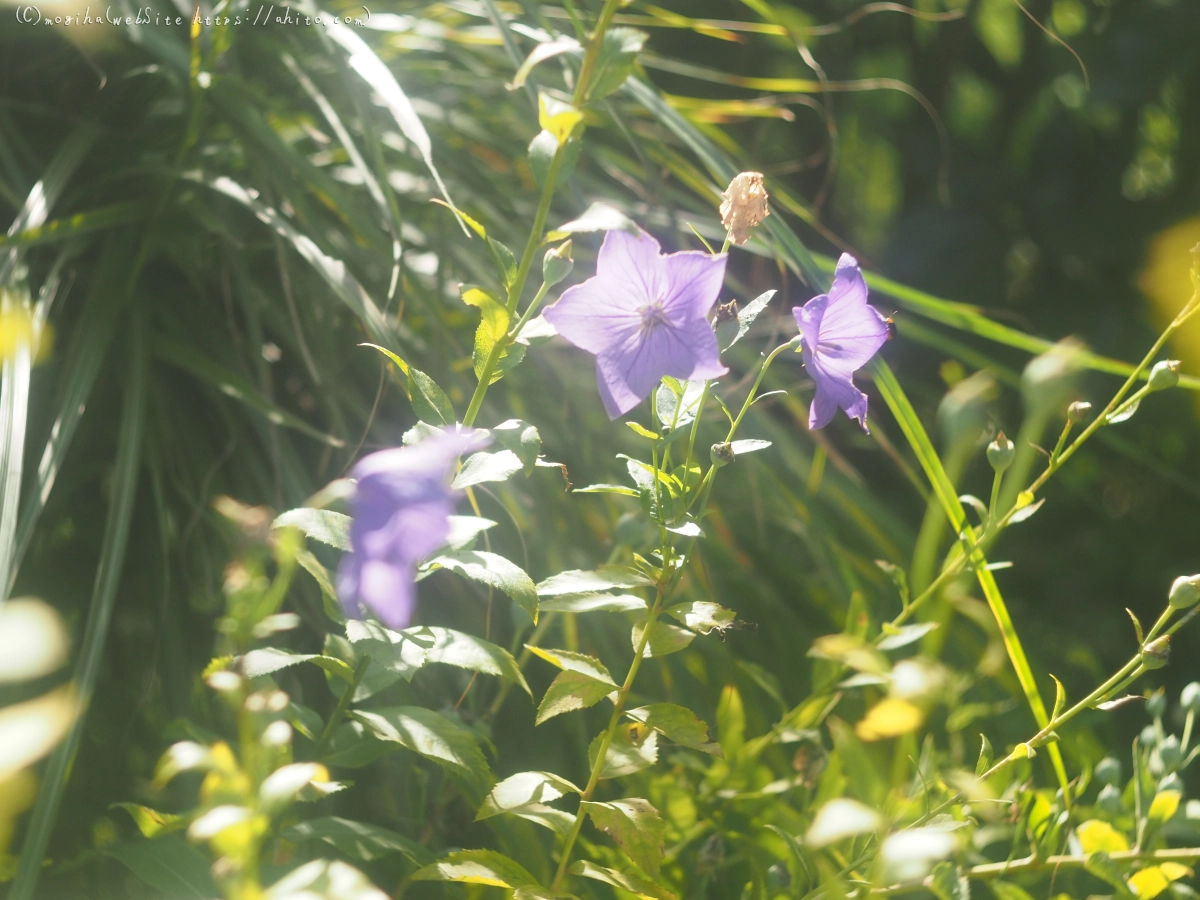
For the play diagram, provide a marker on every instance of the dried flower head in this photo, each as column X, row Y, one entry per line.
column 744, row 206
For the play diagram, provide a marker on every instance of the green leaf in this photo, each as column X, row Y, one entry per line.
column 494, row 571
column 433, row 736
column 523, row 789
column 484, row 467
column 353, row 746
column 895, row 638
column 150, row 822
column 634, row 884
column 1060, row 698
column 505, row 261
column 634, row 747
column 607, row 489
column 170, row 865
column 493, row 326
column 1100, row 864
column 948, row 883
column 266, row 660
column 522, row 439
column 358, row 840
column 324, row 879
column 454, row 648
column 702, row 616
column 618, row 54
column 664, row 639
column 429, row 401
column 324, row 525
column 750, row 445
column 746, row 317
column 479, row 867
column 541, row 153
column 1006, row 890
column 557, row 117
column 577, row 581
column 574, row 662
column 597, row 217
column 677, row 724
column 635, row 825
column 400, row 653
column 985, row 756
column 571, row 691
column 464, row 530
column 562, row 823
column 672, row 411
column 1097, row 836
column 581, row 603
column 542, row 52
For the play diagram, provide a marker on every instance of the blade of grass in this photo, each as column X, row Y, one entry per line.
column 906, row 417
column 14, row 414
column 108, row 575
column 75, row 225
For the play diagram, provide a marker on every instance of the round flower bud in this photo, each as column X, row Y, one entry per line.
column 1189, row 698
column 557, row 264
column 1185, row 591
column 1157, row 653
column 1000, row 453
column 1156, row 704
column 1108, row 770
column 1148, row 737
column 1164, row 375
column 1109, row 799
column 744, row 205
column 1170, row 752
column 1078, row 411
column 721, row 454
column 1171, row 783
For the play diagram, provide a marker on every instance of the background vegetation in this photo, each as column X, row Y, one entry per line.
column 212, row 251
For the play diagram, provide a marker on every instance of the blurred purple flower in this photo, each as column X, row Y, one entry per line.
column 400, row 512
column 643, row 316
column 841, row 333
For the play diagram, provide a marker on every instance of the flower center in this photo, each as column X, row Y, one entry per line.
column 653, row 315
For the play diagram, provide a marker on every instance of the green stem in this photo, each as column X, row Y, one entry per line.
column 588, row 67
column 339, row 711
column 1062, row 439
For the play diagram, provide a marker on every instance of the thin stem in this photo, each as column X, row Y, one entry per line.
column 994, row 501
column 1062, row 439
column 587, row 68
column 339, row 711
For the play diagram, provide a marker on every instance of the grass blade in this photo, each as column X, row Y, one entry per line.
column 74, row 225
column 906, row 417
column 14, row 412
column 108, row 575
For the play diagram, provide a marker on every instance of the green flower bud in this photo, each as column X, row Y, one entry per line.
column 1049, row 380
column 1000, row 453
column 1156, row 654
column 1156, row 704
column 1149, row 736
column 1108, row 770
column 1078, row 411
column 1185, row 591
column 1172, row 783
column 557, row 264
column 962, row 413
column 1170, row 753
column 1109, row 799
column 1164, row 375
column 1189, row 698
column 721, row 454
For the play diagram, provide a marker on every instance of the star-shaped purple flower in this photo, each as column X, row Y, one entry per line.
column 400, row 511
column 643, row 316
column 841, row 333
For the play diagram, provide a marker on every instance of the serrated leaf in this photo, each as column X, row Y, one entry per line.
column 578, row 581
column 484, row 467
column 433, row 736
column 748, row 446
column 454, row 648
column 326, row 526
column 358, row 840
column 634, row 747
column 905, row 635
column 635, row 825
column 702, row 616
column 678, row 724
column 664, row 639
column 747, row 314
column 478, row 867
column 523, row 789
column 522, row 439
column 570, row 661
column 581, row 603
column 495, row 571
column 266, row 660
column 640, row 887
column 570, row 691
column 429, row 401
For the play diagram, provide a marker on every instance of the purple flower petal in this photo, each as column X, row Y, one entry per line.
column 400, row 514
column 643, row 316
column 841, row 333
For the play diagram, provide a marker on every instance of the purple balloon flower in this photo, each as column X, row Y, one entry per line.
column 643, row 316
column 400, row 512
column 841, row 333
